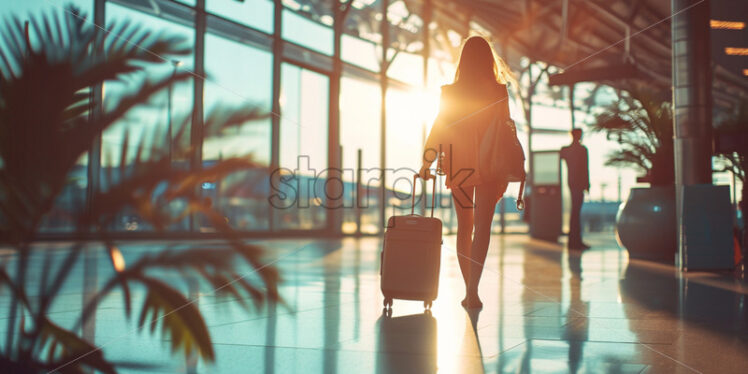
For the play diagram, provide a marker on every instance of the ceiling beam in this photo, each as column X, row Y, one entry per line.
column 664, row 47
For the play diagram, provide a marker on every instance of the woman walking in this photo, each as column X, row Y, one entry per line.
column 465, row 112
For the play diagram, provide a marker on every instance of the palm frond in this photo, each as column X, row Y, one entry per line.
column 19, row 293
column 64, row 347
column 44, row 108
column 45, row 126
column 642, row 124
column 624, row 157
column 179, row 318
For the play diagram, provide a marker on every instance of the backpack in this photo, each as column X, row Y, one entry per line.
column 501, row 157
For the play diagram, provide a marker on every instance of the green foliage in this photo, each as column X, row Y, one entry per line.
column 643, row 126
column 736, row 161
column 47, row 122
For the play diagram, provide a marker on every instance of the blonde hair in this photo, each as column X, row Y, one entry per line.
column 475, row 55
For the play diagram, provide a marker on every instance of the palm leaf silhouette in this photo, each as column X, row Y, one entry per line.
column 47, row 122
column 643, row 126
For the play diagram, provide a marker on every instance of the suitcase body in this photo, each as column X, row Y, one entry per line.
column 411, row 258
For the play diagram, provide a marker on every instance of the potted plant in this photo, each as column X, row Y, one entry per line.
column 732, row 148
column 46, row 125
column 643, row 126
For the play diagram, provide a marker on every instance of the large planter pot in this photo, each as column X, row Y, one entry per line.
column 646, row 224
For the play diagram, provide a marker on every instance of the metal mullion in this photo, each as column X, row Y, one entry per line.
column 237, row 32
column 275, row 118
column 427, row 13
column 168, row 11
column 97, row 101
column 334, row 152
column 196, row 130
column 88, row 328
column 246, row 28
column 305, row 66
column 383, row 81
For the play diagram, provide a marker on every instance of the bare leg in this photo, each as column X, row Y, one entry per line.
column 463, row 201
column 486, row 197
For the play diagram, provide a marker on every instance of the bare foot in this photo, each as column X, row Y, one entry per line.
column 472, row 302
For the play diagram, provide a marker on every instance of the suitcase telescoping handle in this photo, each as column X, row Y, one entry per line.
column 433, row 193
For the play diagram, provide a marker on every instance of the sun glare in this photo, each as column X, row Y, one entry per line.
column 428, row 105
column 410, row 111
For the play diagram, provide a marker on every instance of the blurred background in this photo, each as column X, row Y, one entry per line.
column 341, row 99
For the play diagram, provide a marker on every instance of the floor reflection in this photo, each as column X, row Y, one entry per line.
column 90, row 288
column 407, row 344
column 546, row 310
column 331, row 298
column 705, row 313
column 576, row 327
column 270, row 328
column 473, row 316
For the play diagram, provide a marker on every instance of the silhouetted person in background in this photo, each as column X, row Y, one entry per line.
column 465, row 112
column 577, row 163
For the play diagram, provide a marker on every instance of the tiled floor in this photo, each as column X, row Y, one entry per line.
column 546, row 311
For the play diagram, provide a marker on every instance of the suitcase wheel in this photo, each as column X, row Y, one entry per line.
column 387, row 312
column 427, row 304
column 387, row 302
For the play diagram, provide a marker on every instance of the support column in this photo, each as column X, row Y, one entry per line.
column 97, row 103
column 692, row 92
column 334, row 187
column 196, row 130
column 425, row 54
column 359, row 191
column 275, row 106
column 385, row 31
column 701, row 238
column 90, row 275
column 571, row 105
column 528, row 111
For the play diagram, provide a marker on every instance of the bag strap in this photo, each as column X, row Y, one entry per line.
column 520, row 198
column 503, row 107
column 506, row 111
column 433, row 194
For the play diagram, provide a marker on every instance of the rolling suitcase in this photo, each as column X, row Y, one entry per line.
column 411, row 256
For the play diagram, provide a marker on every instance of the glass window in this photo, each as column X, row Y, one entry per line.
column 238, row 76
column 550, row 117
column 303, row 147
column 408, row 68
column 550, row 142
column 254, row 13
column 189, row 2
column 359, row 52
column 440, row 73
column 304, row 105
column 406, row 127
column 363, row 20
column 360, row 124
column 605, row 180
column 163, row 114
column 36, row 8
column 300, row 30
